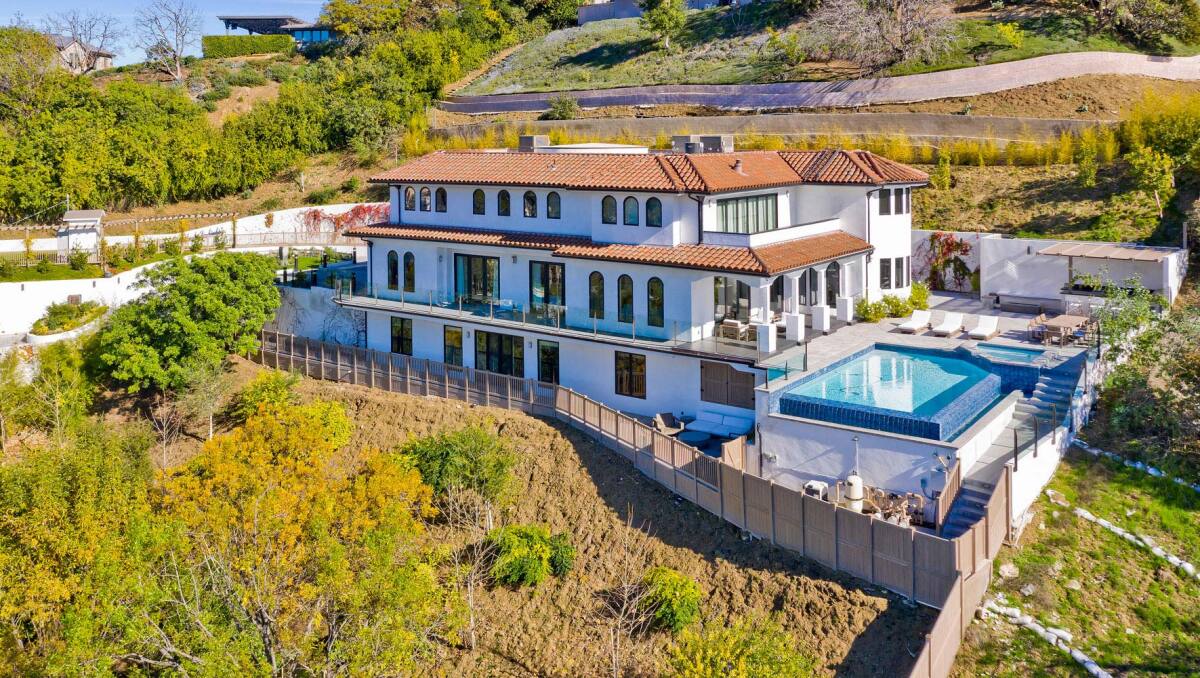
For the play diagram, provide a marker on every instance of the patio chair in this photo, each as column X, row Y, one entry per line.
column 1056, row 335
column 986, row 327
column 919, row 321
column 1036, row 327
column 667, row 424
column 732, row 328
column 952, row 323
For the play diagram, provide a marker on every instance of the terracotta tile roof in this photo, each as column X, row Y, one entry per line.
column 766, row 260
column 667, row 172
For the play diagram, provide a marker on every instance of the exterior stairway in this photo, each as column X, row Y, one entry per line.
column 1050, row 399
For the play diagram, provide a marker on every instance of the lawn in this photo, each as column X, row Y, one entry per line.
column 726, row 45
column 1130, row 611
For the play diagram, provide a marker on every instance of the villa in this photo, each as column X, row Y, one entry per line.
column 712, row 292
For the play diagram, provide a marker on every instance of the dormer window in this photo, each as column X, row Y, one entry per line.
column 410, row 198
column 608, row 210
column 654, row 213
column 529, row 204
column 478, row 202
column 553, row 206
column 425, row 202
column 631, row 211
column 439, row 200
column 503, row 204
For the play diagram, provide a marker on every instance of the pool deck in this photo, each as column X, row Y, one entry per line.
column 823, row 350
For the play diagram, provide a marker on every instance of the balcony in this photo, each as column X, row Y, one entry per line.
column 671, row 335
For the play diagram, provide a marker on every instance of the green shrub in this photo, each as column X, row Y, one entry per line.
column 896, row 307
column 66, row 317
column 172, row 248
column 471, row 458
column 745, row 649
column 77, row 259
column 322, row 196
column 220, row 241
column 43, row 265
column 270, row 205
column 525, row 553
column 672, row 599
column 247, row 77
column 562, row 107
column 870, row 311
column 269, row 390
column 225, row 46
column 150, row 248
column 351, row 185
column 6, row 268
column 918, row 298
column 197, row 245
column 218, row 92
column 281, row 72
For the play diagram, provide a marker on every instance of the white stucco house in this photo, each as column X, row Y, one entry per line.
column 651, row 281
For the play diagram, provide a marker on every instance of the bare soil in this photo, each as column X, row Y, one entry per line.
column 575, row 486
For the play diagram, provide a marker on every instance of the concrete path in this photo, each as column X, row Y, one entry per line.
column 918, row 126
column 866, row 91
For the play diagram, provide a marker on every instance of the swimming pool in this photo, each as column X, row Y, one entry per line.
column 1011, row 354
column 924, row 393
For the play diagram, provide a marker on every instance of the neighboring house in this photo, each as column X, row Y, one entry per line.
column 78, row 57
column 600, row 10
column 303, row 32
column 653, row 282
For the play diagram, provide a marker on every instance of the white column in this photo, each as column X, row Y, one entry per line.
column 760, row 300
column 820, row 312
column 394, row 204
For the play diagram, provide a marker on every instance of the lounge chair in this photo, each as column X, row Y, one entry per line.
column 667, row 424
column 952, row 323
column 919, row 321
column 986, row 327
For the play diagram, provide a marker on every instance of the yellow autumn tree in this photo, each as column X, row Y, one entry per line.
column 318, row 550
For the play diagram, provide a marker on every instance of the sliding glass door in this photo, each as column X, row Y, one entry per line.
column 500, row 353
column 547, row 285
column 476, row 278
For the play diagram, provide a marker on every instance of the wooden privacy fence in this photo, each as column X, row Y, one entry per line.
column 951, row 575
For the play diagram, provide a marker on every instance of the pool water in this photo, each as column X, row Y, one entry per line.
column 918, row 392
column 1010, row 354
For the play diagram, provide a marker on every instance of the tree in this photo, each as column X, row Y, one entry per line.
column 1154, row 173
column 1145, row 22
column 875, row 34
column 15, row 401
column 61, row 391
column 745, row 649
column 165, row 30
column 359, row 17
column 94, row 32
column 27, row 61
column 470, row 458
column 193, row 314
column 623, row 612
column 316, row 551
column 663, row 18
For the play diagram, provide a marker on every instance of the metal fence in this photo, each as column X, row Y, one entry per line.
column 951, row 575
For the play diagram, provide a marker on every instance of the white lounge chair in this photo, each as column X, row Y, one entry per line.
column 986, row 327
column 952, row 323
column 919, row 321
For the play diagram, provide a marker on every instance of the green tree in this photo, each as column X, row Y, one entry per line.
column 193, row 314
column 1154, row 173
column 664, row 19
column 26, row 62
column 470, row 458
column 61, row 390
column 672, row 599
column 15, row 397
column 749, row 648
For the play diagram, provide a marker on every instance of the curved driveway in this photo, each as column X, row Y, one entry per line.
column 900, row 89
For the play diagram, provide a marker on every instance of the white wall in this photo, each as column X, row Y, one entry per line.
column 24, row 303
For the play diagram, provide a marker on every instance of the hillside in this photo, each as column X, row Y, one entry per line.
column 731, row 45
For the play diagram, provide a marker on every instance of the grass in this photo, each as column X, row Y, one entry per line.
column 20, row 273
column 1133, row 612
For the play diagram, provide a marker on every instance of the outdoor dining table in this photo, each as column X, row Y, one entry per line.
column 1065, row 322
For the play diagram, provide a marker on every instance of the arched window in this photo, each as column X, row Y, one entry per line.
column 503, row 204
column 410, row 272
column 478, row 201
column 654, row 212
column 410, row 198
column 631, row 211
column 654, row 303
column 608, row 210
column 530, row 204
column 439, row 200
column 625, row 299
column 553, row 206
column 833, row 280
column 424, row 198
column 596, row 295
column 393, row 271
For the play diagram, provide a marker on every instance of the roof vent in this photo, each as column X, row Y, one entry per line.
column 737, row 167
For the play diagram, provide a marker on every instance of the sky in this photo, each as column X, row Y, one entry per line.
column 36, row 11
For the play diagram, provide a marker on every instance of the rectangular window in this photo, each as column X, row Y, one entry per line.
column 907, row 271
column 547, row 285
column 476, row 278
column 452, row 340
column 885, row 201
column 885, row 274
column 631, row 374
column 753, row 214
column 548, row 361
column 899, row 201
column 402, row 335
column 499, row 353
column 899, row 277
column 908, row 201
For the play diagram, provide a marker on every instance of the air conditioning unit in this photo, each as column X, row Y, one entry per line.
column 818, row 489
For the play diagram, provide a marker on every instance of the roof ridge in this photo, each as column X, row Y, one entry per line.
column 871, row 172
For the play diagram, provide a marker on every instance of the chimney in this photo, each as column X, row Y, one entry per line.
column 532, row 143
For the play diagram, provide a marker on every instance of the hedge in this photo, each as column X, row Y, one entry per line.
column 225, row 46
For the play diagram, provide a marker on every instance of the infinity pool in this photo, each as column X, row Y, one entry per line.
column 1010, row 354
column 925, row 393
